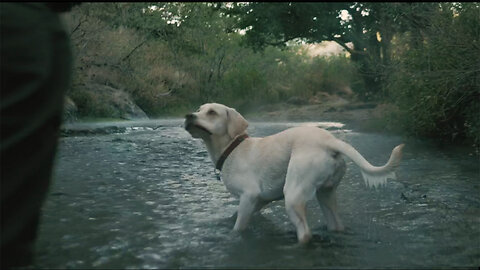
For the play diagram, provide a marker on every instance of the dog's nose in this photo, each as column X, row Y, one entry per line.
column 190, row 116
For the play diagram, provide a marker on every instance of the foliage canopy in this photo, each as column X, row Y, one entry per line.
column 171, row 57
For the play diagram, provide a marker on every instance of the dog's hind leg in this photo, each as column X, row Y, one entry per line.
column 299, row 188
column 296, row 212
column 327, row 197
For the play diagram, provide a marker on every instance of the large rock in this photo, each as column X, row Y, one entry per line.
column 117, row 103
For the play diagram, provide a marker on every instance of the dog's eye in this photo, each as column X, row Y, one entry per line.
column 212, row 112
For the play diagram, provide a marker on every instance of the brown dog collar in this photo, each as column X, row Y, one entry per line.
column 229, row 150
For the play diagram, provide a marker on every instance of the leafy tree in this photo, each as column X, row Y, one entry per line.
column 369, row 26
column 171, row 57
column 434, row 75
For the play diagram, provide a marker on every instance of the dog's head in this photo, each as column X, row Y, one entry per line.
column 213, row 119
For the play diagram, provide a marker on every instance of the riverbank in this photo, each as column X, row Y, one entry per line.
column 363, row 116
column 358, row 115
column 322, row 107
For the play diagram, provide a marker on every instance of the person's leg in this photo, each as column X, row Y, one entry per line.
column 35, row 69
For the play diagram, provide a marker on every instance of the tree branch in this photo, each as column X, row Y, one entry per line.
column 133, row 50
column 343, row 44
column 78, row 26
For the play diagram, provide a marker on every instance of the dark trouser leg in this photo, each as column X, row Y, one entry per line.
column 35, row 72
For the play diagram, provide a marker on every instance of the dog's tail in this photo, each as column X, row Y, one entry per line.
column 373, row 175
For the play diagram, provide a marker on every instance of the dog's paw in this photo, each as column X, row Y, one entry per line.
column 305, row 239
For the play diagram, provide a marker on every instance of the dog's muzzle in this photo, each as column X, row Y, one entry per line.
column 190, row 123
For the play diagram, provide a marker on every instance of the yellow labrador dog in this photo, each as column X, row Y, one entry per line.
column 296, row 164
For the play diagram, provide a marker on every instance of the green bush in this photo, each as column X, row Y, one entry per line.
column 89, row 104
column 167, row 69
column 435, row 84
column 331, row 75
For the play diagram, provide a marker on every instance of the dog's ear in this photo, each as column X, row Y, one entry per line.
column 236, row 124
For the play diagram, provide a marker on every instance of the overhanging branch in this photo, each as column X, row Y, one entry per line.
column 345, row 46
column 133, row 50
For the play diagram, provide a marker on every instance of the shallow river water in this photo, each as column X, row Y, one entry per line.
column 149, row 198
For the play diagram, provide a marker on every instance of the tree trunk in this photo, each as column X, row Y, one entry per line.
column 366, row 67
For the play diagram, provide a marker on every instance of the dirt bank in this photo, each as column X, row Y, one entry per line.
column 365, row 116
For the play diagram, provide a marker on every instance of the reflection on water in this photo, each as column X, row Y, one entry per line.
column 149, row 198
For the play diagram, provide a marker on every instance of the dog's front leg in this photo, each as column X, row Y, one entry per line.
column 248, row 205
